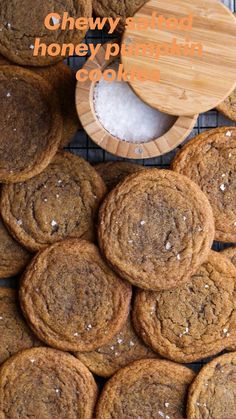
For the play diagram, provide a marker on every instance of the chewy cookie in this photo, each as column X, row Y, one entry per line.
column 46, row 384
column 72, row 299
column 146, row 389
column 213, row 393
column 124, row 348
column 113, row 172
column 31, row 125
column 117, row 9
column 209, row 161
column 194, row 321
column 14, row 332
column 156, row 228
column 60, row 202
column 20, row 26
column 13, row 257
column 230, row 253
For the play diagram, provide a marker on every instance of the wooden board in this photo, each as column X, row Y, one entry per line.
column 187, row 85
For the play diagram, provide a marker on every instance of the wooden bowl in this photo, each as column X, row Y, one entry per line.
column 85, row 108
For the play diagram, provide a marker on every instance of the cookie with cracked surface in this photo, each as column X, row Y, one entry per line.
column 20, row 29
column 15, row 333
column 113, row 172
column 122, row 9
column 60, row 202
column 47, row 384
column 13, row 257
column 209, row 161
column 156, row 228
column 146, row 389
column 71, row 299
column 62, row 80
column 31, row 125
column 213, row 392
column 230, row 253
column 124, row 348
column 194, row 321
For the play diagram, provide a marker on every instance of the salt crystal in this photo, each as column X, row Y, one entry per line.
column 167, row 404
column 120, row 111
column 45, row 200
column 53, row 223
column 55, row 21
column 161, row 413
column 57, row 195
column 222, row 187
column 168, row 246
column 14, row 129
column 59, row 181
column 76, row 334
column 32, row 360
column 184, row 218
column 223, row 175
column 225, row 330
column 130, row 241
column 119, row 340
column 178, row 257
column 89, row 327
column 31, row 46
column 8, row 94
column 8, row 26
column 57, row 390
column 19, row 222
column 112, row 348
column 1, row 317
column 230, row 155
column 142, row 222
column 206, row 286
column 131, row 343
column 228, row 134
column 234, row 223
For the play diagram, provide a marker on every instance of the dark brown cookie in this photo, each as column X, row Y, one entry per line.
column 15, row 333
column 31, row 125
column 194, row 321
column 230, row 253
column 124, row 348
column 146, row 389
column 212, row 394
column 113, row 172
column 117, row 9
column 209, row 161
column 60, row 202
column 72, row 299
column 62, row 80
column 22, row 21
column 47, row 384
column 156, row 228
column 13, row 257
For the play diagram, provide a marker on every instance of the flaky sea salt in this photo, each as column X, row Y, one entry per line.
column 125, row 116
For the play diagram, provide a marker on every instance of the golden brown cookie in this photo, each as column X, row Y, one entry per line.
column 22, row 21
column 47, row 384
column 15, row 333
column 13, row 257
column 212, row 394
column 60, row 202
column 62, row 80
column 113, row 172
column 156, row 228
column 194, row 321
column 31, row 125
column 209, row 161
column 122, row 9
column 71, row 298
column 230, row 253
column 146, row 389
column 124, row 348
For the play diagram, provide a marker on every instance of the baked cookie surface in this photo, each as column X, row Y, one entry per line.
column 146, row 389
column 124, row 348
column 213, row 393
column 71, row 298
column 20, row 25
column 194, row 321
column 13, row 257
column 155, row 229
column 15, row 333
column 209, row 161
column 114, row 172
column 46, row 384
column 230, row 253
column 31, row 125
column 60, row 202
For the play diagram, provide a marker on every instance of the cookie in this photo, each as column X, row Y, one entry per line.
column 146, row 389
column 31, row 125
column 122, row 9
column 13, row 257
column 45, row 383
column 230, row 253
column 63, row 82
column 194, row 321
column 124, row 348
column 15, row 333
column 113, row 172
column 60, row 202
column 71, row 298
column 213, row 393
column 156, row 228
column 209, row 161
column 20, row 26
